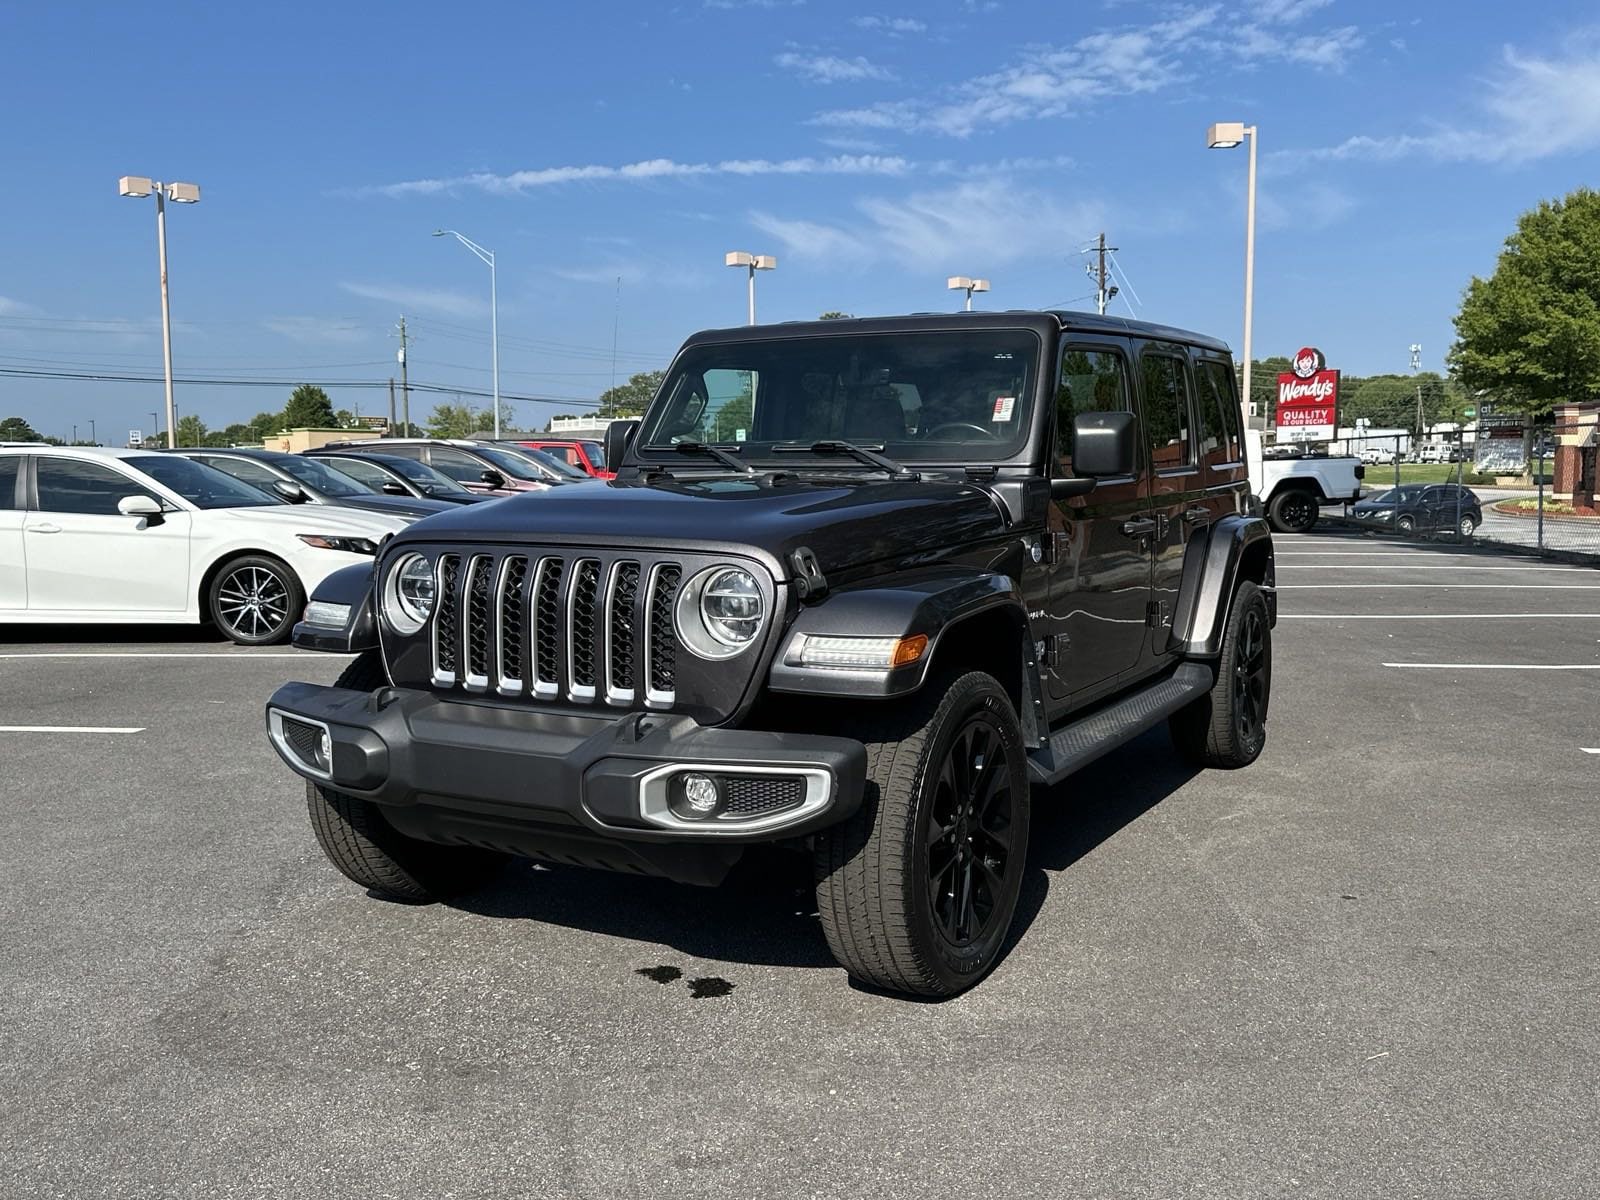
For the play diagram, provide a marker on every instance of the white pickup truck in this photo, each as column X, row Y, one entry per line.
column 1294, row 484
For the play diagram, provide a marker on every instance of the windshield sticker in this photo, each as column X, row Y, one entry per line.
column 1003, row 405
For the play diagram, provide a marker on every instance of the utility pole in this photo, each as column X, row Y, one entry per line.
column 93, row 437
column 405, row 379
column 1416, row 365
column 1104, row 290
column 391, row 406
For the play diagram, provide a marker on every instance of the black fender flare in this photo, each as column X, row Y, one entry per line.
column 1211, row 567
column 350, row 586
column 931, row 604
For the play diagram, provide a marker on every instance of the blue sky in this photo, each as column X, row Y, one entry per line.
column 874, row 149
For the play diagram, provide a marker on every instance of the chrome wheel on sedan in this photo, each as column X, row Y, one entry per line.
column 255, row 601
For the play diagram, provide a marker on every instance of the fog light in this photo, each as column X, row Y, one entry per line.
column 325, row 751
column 701, row 794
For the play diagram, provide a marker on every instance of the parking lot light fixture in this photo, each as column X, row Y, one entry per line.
column 1226, row 135
column 138, row 187
column 752, row 263
column 958, row 283
column 494, row 314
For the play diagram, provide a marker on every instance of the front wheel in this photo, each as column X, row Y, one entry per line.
column 255, row 600
column 917, row 891
column 1293, row 511
column 1406, row 524
column 1227, row 727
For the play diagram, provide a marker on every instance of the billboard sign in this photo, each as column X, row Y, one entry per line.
column 1308, row 400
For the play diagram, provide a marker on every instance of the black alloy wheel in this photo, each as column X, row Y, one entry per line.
column 1293, row 511
column 255, row 601
column 1251, row 677
column 1227, row 727
column 969, row 833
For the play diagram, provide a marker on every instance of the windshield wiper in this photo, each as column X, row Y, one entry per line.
column 722, row 456
column 833, row 446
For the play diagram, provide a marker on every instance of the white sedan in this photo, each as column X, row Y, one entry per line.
column 104, row 536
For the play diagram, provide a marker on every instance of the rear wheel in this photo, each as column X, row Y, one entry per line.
column 366, row 849
column 1293, row 511
column 255, row 600
column 917, row 890
column 1227, row 727
column 1467, row 527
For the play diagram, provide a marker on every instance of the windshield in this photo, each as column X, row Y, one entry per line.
column 424, row 476
column 200, row 485
column 946, row 396
column 320, row 476
column 528, row 464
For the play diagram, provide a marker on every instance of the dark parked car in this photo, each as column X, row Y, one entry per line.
column 1423, row 508
column 948, row 558
column 393, row 475
column 302, row 480
column 492, row 468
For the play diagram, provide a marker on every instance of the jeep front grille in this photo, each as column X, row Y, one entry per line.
column 580, row 629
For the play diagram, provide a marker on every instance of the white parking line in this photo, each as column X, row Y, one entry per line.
column 1590, row 749
column 232, row 655
column 1588, row 616
column 1497, row 666
column 72, row 728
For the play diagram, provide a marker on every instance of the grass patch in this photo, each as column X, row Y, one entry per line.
column 1552, row 508
column 1381, row 475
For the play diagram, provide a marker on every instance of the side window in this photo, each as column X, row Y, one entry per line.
column 463, row 468
column 1218, row 406
column 1166, row 411
column 71, row 485
column 10, row 468
column 243, row 469
column 410, row 450
column 1091, row 381
column 362, row 472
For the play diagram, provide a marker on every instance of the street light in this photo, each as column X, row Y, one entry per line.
column 140, row 186
column 958, row 283
column 754, row 263
column 1225, row 136
column 494, row 314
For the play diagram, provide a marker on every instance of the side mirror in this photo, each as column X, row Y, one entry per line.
column 290, row 491
column 492, row 478
column 391, row 488
column 139, row 506
column 1103, row 444
column 619, row 436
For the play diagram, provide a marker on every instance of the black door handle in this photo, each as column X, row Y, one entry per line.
column 1143, row 527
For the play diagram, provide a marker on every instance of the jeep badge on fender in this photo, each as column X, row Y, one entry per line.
column 860, row 587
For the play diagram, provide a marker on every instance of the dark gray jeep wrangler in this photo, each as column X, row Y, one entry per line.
column 859, row 587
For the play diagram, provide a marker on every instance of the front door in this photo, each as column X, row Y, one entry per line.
column 85, row 556
column 1100, row 560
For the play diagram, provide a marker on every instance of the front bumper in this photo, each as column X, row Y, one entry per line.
column 584, row 789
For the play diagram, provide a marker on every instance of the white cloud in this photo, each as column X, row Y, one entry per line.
column 890, row 25
column 655, row 168
column 1303, row 207
column 828, row 68
column 1532, row 107
column 433, row 300
column 318, row 331
column 1285, row 12
column 732, row 4
column 13, row 308
column 974, row 225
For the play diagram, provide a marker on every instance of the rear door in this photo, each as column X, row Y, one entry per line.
column 13, row 574
column 84, row 555
column 1176, row 484
column 1100, row 561
column 1223, row 472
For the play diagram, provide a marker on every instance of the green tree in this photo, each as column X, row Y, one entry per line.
column 345, row 419
column 833, row 314
column 264, row 425
column 733, row 418
column 15, row 429
column 308, row 406
column 191, row 430
column 1530, row 334
column 630, row 399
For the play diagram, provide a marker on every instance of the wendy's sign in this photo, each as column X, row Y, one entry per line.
column 1308, row 399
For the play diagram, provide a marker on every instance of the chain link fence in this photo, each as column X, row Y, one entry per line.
column 1486, row 484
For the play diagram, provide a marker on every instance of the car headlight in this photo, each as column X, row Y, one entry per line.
column 408, row 594
column 720, row 612
column 1381, row 514
column 350, row 545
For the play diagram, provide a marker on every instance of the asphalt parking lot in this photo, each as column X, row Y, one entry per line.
column 1366, row 966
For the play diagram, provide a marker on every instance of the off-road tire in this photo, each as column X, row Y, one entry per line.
column 277, row 585
column 368, row 850
column 1293, row 510
column 1213, row 731
column 875, row 891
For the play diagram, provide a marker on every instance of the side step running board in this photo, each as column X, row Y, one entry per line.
column 1080, row 743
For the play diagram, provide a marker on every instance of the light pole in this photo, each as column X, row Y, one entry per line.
column 155, row 425
column 178, row 193
column 1225, row 136
column 494, row 314
column 93, row 437
column 957, row 283
column 754, row 263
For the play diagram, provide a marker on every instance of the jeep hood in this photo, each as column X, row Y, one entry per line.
column 844, row 523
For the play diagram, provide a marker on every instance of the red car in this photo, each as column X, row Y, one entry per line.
column 589, row 457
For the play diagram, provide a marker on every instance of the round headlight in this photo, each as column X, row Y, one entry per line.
column 720, row 611
column 408, row 594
